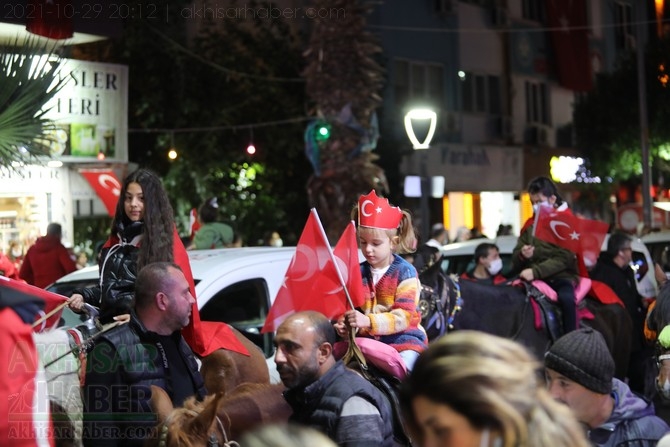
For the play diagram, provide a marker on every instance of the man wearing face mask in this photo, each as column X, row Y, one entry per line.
column 488, row 265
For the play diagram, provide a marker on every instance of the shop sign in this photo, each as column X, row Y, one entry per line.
column 90, row 112
column 477, row 168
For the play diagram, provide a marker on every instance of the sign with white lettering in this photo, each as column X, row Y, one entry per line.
column 475, row 168
column 91, row 112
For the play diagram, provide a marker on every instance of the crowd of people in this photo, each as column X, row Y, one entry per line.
column 465, row 389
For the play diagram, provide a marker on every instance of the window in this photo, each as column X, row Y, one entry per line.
column 623, row 30
column 481, row 93
column 243, row 305
column 418, row 81
column 533, row 10
column 537, row 103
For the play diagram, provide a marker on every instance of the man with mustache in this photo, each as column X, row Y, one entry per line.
column 128, row 359
column 322, row 391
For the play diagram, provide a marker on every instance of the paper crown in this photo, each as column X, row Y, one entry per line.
column 375, row 212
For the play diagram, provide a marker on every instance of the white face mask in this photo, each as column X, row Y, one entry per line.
column 536, row 206
column 277, row 243
column 495, row 267
column 665, row 389
column 484, row 441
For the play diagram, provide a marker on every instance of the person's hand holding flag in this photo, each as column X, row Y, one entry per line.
column 318, row 278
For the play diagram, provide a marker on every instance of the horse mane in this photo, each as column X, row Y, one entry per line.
column 239, row 410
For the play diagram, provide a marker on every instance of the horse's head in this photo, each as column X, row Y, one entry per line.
column 219, row 417
column 196, row 424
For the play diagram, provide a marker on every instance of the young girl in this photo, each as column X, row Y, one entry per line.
column 389, row 313
column 537, row 259
column 141, row 233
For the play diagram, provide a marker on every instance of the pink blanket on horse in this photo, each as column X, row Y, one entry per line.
column 581, row 290
column 379, row 354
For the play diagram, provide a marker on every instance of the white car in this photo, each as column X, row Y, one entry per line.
column 459, row 257
column 233, row 285
column 658, row 244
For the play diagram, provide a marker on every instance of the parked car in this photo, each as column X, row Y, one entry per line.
column 459, row 257
column 658, row 244
column 233, row 285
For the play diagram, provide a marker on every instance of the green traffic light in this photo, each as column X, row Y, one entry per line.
column 322, row 132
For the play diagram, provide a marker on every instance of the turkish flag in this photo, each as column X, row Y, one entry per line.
column 14, row 293
column 312, row 280
column 24, row 408
column 583, row 237
column 50, row 18
column 193, row 223
column 346, row 257
column 106, row 186
column 204, row 337
column 568, row 30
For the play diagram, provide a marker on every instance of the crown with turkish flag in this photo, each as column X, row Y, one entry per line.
column 375, row 212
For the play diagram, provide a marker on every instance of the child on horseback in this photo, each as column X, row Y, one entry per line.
column 392, row 286
column 534, row 258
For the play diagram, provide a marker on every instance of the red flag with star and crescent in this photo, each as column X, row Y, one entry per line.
column 584, row 237
column 568, row 29
column 315, row 277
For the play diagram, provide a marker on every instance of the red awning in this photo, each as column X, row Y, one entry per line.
column 106, row 186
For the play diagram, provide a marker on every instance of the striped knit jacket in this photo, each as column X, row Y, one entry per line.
column 391, row 306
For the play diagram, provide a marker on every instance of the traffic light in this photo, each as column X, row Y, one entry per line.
column 322, row 131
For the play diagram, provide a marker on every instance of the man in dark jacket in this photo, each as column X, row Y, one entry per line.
column 47, row 260
column 613, row 268
column 325, row 394
column 149, row 350
column 579, row 371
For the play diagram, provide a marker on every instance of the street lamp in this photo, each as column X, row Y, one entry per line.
column 431, row 116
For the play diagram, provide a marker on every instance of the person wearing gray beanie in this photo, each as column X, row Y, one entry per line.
column 583, row 357
column 579, row 370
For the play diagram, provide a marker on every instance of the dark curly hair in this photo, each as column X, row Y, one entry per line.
column 158, row 229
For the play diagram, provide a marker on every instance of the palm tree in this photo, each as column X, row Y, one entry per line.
column 344, row 81
column 29, row 79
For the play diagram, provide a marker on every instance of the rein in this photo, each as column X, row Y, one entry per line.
column 81, row 346
column 354, row 352
column 212, row 441
column 458, row 303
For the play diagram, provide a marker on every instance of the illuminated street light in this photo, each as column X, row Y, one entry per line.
column 422, row 114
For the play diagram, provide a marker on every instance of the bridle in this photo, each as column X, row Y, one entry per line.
column 212, row 439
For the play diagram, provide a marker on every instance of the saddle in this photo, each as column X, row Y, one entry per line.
column 548, row 312
column 388, row 384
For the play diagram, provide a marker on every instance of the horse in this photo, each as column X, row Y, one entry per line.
column 63, row 353
column 521, row 313
column 220, row 418
column 657, row 321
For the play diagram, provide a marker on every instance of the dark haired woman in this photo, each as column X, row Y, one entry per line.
column 143, row 231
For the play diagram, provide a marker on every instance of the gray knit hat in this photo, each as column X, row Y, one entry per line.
column 583, row 356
